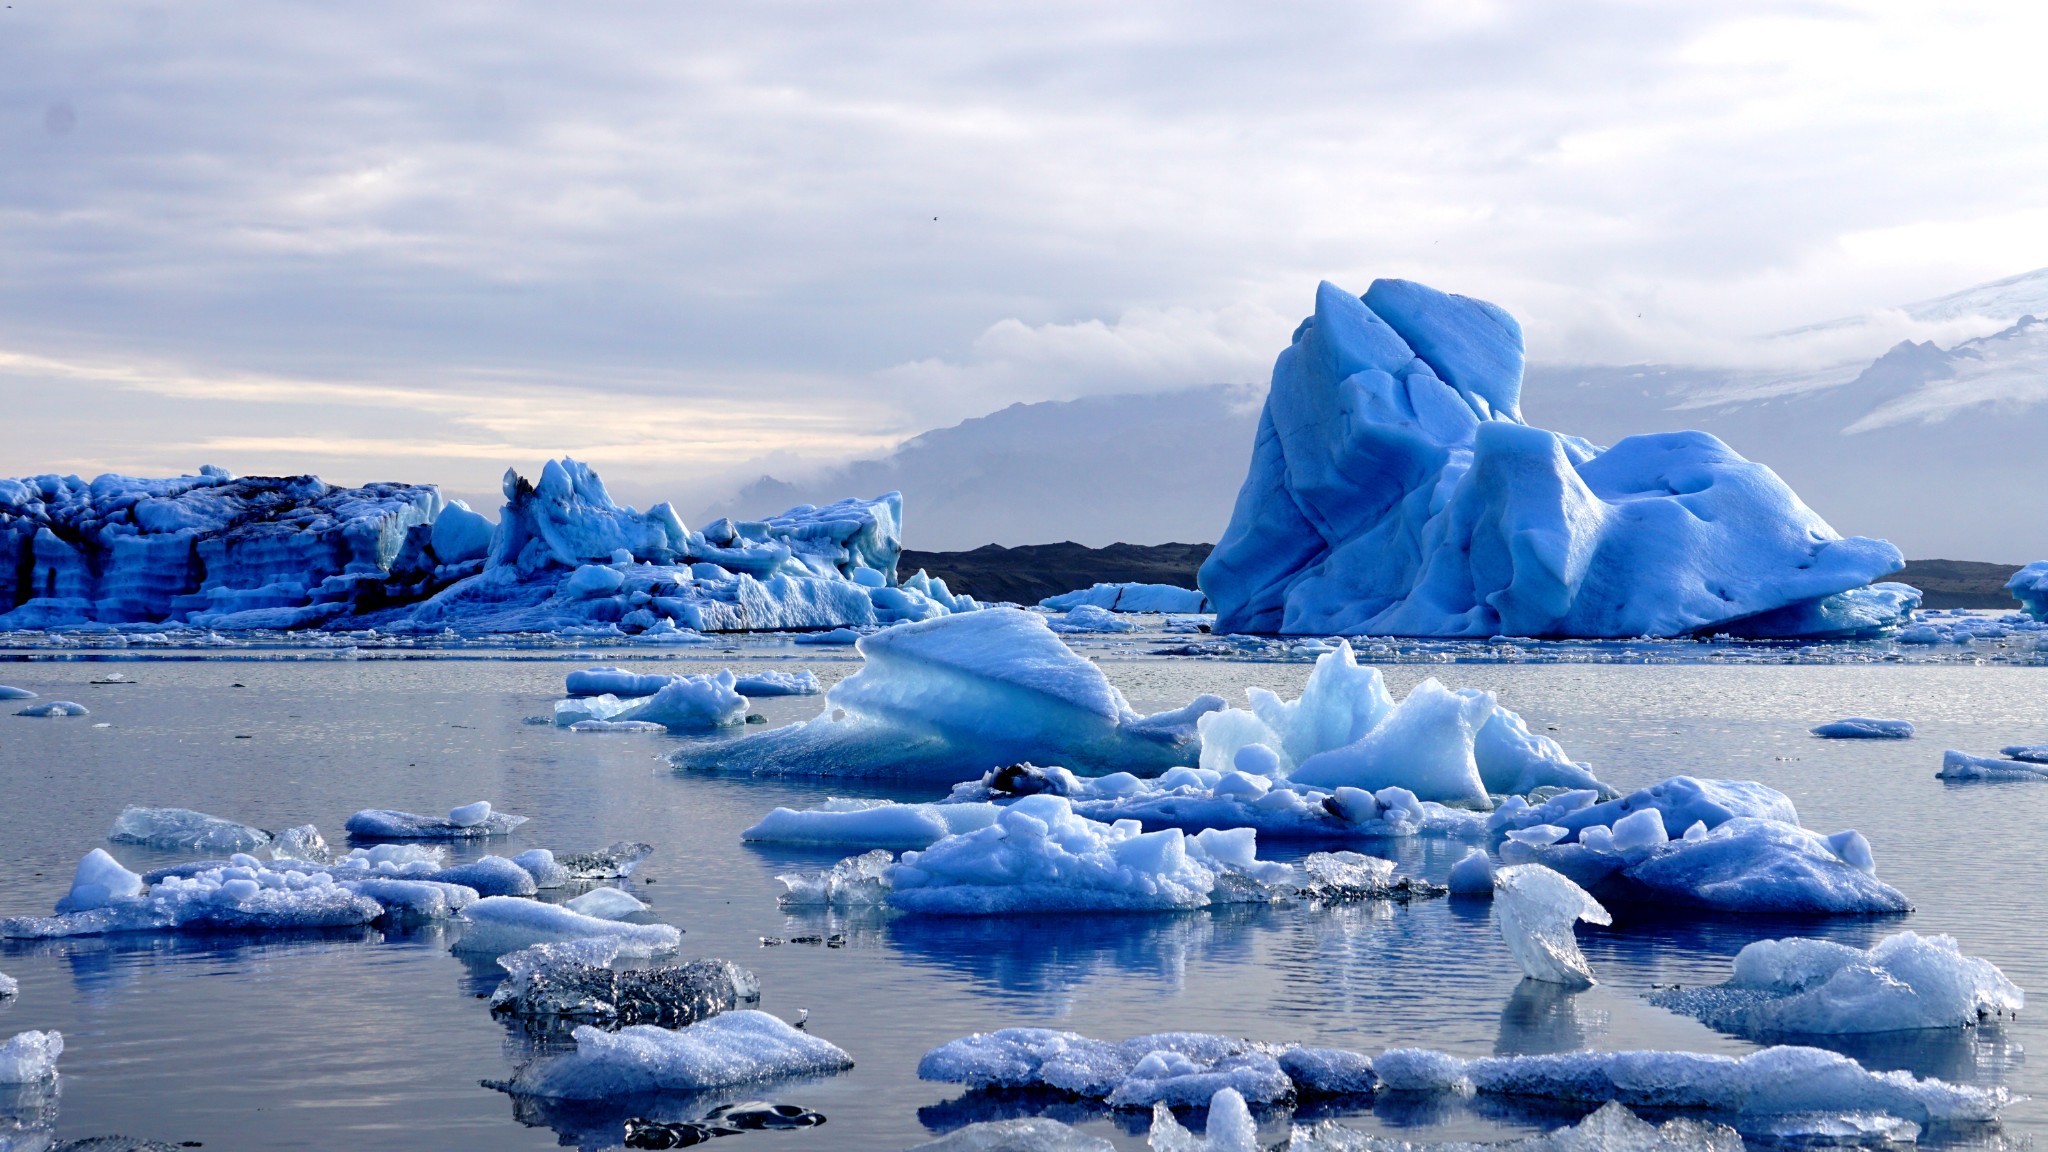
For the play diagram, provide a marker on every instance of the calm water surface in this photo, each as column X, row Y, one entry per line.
column 365, row 1039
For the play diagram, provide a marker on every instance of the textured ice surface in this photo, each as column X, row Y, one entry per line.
column 1683, row 801
column 613, row 862
column 1537, row 910
column 302, row 842
column 1612, row 1128
column 30, row 1056
column 54, row 709
column 690, row 704
column 1039, row 856
column 1395, row 490
column 1027, row 1134
column 499, row 924
column 606, row 904
column 240, row 895
column 1957, row 765
column 1129, row 597
column 738, row 1047
column 2029, row 586
column 1230, row 1128
column 1795, row 987
column 182, row 828
column 1089, row 618
column 387, row 824
column 864, row 823
column 857, row 881
column 540, row 863
column 947, row 699
column 573, row 982
column 1865, row 728
column 490, row 876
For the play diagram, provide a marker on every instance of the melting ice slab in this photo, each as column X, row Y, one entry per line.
column 945, row 700
column 1813, row 987
column 1394, row 489
column 1130, row 597
column 1865, row 728
column 182, row 828
column 734, row 1048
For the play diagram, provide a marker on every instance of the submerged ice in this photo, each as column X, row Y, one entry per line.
column 1395, row 490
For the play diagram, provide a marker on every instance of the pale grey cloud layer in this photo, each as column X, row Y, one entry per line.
column 426, row 240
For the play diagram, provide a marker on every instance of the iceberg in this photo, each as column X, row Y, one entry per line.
column 1865, row 728
column 182, row 828
column 2029, row 586
column 55, row 708
column 28, row 1057
column 496, row 925
column 1394, row 489
column 467, row 822
column 1818, row 987
column 1131, row 597
column 574, row 981
column 1536, row 909
column 945, row 700
column 733, row 1048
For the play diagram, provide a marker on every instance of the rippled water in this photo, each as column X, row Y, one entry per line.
column 363, row 1039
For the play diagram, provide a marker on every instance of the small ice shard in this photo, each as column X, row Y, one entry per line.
column 1818, row 987
column 1345, row 876
column 857, row 881
column 388, row 824
column 1963, row 766
column 302, row 843
column 1472, row 875
column 99, row 881
column 574, row 982
column 739, row 1047
column 500, row 924
column 1537, row 908
column 470, row 815
column 1027, row 1134
column 1865, row 728
column 1230, row 1129
column 55, row 708
column 613, row 862
column 28, row 1057
column 182, row 828
column 10, row 693
column 605, row 904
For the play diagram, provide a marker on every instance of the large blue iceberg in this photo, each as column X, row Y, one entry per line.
column 267, row 552
column 1395, row 490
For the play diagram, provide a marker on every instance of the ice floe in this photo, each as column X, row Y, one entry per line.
column 496, row 925
column 55, row 709
column 7, row 692
column 1089, row 618
column 1395, row 490
column 1956, row 765
column 240, row 895
column 182, row 828
column 1815, row 987
column 1865, row 728
column 1613, row 1128
column 1130, row 597
column 947, row 699
column 465, row 822
column 733, row 1048
column 1537, row 909
column 865, row 823
column 28, row 1057
column 573, row 981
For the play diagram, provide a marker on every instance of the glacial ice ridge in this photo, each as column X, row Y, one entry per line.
column 1395, row 490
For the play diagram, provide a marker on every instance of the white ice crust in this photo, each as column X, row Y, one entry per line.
column 1815, row 987
column 738, row 1047
column 1395, row 490
column 496, row 925
column 1536, row 909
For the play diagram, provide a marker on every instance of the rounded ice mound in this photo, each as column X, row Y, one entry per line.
column 606, row 904
column 390, row 824
column 496, row 925
column 691, row 703
column 593, row 580
column 54, row 709
column 28, row 1057
column 1865, row 728
column 470, row 815
column 1472, row 875
column 738, row 1047
column 99, row 881
column 1091, row 618
column 1537, row 908
column 8, row 692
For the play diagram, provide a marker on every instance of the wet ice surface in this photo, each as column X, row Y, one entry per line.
column 368, row 1039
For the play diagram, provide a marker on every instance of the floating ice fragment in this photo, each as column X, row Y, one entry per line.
column 182, row 828
column 1612, row 1128
column 1537, row 909
column 1957, row 765
column 1799, row 987
column 573, row 981
column 1090, row 618
column 802, row 682
column 100, row 880
column 28, row 1057
column 690, row 703
column 9, row 986
column 1865, row 728
column 540, row 864
column 489, row 876
column 2031, row 753
column 613, row 862
column 499, row 924
column 55, row 708
column 1472, row 875
column 617, row 726
column 470, row 815
column 857, row 881
column 11, row 693
column 605, row 904
column 1131, row 597
column 303, row 843
column 388, row 824
column 738, row 1047
column 871, row 823
column 1230, row 1129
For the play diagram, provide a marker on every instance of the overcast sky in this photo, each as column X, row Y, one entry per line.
column 427, row 240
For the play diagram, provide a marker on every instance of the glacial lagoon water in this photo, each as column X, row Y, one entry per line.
column 367, row 1040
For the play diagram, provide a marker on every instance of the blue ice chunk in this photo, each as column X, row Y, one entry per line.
column 1750, row 865
column 1865, row 728
column 2029, row 586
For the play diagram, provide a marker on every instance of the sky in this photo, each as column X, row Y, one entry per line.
column 690, row 242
